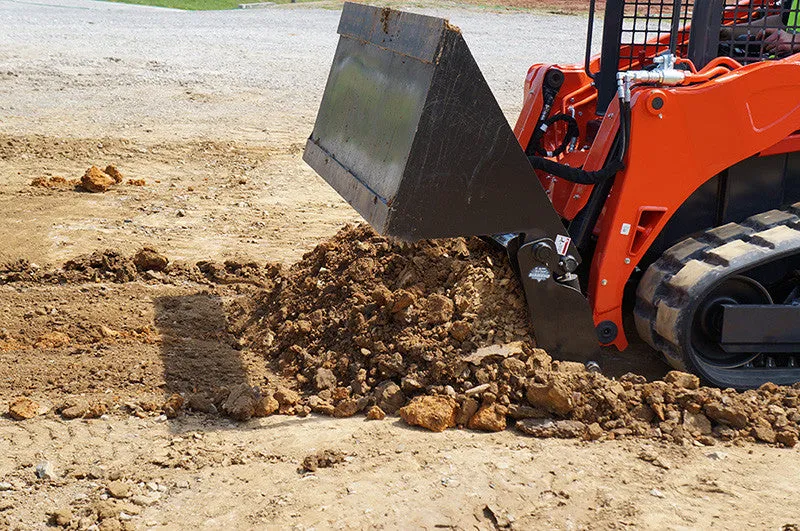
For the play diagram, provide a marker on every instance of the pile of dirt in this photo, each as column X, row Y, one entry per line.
column 147, row 264
column 440, row 329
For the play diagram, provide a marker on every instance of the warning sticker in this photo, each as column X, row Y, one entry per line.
column 562, row 244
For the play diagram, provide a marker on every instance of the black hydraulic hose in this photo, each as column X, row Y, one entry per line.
column 572, row 135
column 576, row 175
column 580, row 176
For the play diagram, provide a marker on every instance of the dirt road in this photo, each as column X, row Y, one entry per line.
column 210, row 111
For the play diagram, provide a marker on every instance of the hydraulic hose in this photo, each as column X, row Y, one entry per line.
column 579, row 176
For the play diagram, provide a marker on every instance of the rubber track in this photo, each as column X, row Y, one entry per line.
column 672, row 286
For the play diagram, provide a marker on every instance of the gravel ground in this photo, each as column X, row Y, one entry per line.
column 237, row 75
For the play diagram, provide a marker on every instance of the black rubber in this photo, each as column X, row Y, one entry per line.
column 671, row 294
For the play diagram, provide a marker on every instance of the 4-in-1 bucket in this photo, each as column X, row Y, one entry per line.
column 409, row 133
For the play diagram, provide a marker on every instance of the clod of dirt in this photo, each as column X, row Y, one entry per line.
column 322, row 459
column 23, row 409
column 553, row 396
column 490, row 417
column 79, row 408
column 148, row 259
column 118, row 489
column 95, row 180
column 435, row 413
column 546, row 428
column 201, row 403
column 241, row 402
column 61, row 517
column 375, row 413
column 266, row 406
column 114, row 173
column 173, row 405
column 286, row 399
column 136, row 182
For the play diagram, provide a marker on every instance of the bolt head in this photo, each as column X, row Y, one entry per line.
column 627, row 260
column 603, row 282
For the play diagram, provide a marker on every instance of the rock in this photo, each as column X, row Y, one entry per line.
column 762, row 430
column 553, row 396
column 201, row 403
column 389, row 397
column 540, row 359
column 656, row 493
column 460, row 330
column 489, row 418
column 717, row 456
column 466, row 410
column 45, row 470
column 594, row 431
column 696, row 423
column 318, row 405
column 241, row 403
column 119, row 489
column 266, row 406
column 402, row 300
column 435, row 413
column 148, row 259
column 173, row 405
column 682, row 379
column 477, row 390
column 324, row 379
column 730, row 415
column 787, row 437
column 522, row 411
column 564, row 429
column 23, row 408
column 375, row 413
column 61, row 517
column 95, row 180
column 286, row 397
column 114, row 173
column 438, row 309
column 5, row 486
column 346, row 408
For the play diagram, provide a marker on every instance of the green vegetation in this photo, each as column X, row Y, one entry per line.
column 198, row 5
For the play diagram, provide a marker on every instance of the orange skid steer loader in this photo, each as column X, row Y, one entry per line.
column 660, row 178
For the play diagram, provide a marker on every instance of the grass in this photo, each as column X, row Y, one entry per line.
column 198, row 5
column 551, row 6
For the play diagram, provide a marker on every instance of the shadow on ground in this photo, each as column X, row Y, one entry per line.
column 198, row 352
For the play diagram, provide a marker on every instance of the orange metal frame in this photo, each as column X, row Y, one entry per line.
column 724, row 117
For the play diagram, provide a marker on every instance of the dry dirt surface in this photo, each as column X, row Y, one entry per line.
column 194, row 331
